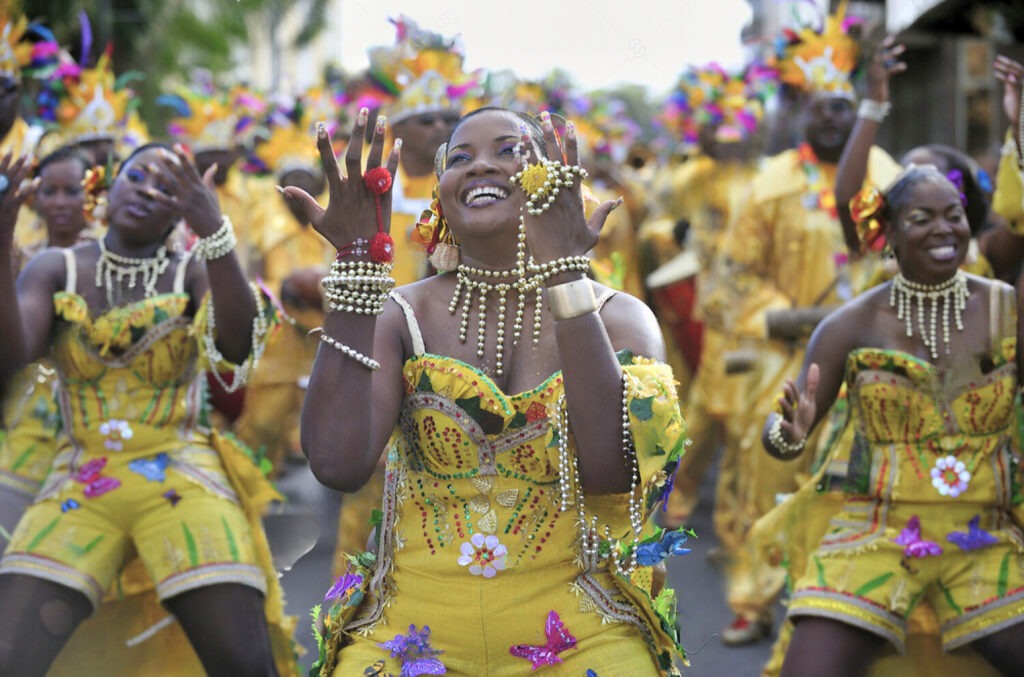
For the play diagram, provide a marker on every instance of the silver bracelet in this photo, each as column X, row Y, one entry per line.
column 367, row 362
column 778, row 440
column 874, row 110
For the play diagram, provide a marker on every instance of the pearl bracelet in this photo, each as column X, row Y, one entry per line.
column 367, row 362
column 215, row 246
column 778, row 440
column 561, row 265
column 875, row 111
column 572, row 299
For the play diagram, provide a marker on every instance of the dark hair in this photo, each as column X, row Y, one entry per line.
column 143, row 148
column 898, row 194
column 529, row 122
column 62, row 154
column 977, row 207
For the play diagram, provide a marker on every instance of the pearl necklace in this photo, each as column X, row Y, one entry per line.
column 518, row 280
column 903, row 294
column 111, row 265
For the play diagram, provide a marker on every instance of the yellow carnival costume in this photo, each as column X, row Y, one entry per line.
column 478, row 562
column 139, row 471
column 924, row 505
column 786, row 251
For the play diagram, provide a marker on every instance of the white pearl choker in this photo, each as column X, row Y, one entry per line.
column 111, row 265
column 903, row 294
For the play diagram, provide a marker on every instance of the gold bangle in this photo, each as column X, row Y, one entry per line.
column 571, row 299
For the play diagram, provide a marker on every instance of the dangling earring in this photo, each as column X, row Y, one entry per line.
column 444, row 253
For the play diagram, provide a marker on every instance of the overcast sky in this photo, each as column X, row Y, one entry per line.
column 600, row 42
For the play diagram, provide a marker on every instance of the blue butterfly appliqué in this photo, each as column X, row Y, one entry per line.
column 153, row 469
column 649, row 554
column 975, row 537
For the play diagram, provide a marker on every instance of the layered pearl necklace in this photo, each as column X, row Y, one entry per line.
column 484, row 281
column 111, row 266
column 953, row 293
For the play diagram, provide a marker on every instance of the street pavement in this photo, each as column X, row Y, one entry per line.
column 698, row 582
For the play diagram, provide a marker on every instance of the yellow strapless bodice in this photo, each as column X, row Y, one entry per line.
column 930, row 438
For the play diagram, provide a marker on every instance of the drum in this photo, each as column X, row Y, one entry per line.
column 673, row 289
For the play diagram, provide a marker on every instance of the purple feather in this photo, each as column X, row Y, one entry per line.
column 83, row 19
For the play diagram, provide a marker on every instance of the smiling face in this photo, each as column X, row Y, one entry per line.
column 59, row 199
column 476, row 196
column 929, row 232
column 137, row 217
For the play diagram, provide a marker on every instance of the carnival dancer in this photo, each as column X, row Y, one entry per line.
column 931, row 492
column 514, row 529
column 130, row 328
column 787, row 258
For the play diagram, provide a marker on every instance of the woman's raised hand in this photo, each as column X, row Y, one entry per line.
column 13, row 191
column 799, row 407
column 1011, row 74
column 182, row 189
column 883, row 65
column 351, row 212
column 562, row 230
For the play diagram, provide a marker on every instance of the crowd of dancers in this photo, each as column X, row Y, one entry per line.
column 516, row 326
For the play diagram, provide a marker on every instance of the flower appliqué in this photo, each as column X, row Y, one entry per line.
column 117, row 432
column 484, row 555
column 950, row 476
column 346, row 591
column 415, row 652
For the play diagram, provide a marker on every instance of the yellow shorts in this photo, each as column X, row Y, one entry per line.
column 186, row 536
column 972, row 574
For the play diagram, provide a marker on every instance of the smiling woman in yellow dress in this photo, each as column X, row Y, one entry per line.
column 931, row 367
column 534, row 427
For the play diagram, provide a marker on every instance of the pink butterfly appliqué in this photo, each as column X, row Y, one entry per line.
column 559, row 639
column 914, row 545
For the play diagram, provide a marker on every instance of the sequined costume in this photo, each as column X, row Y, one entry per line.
column 140, row 470
column 474, row 545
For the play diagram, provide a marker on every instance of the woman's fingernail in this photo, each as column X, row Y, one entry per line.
column 398, row 144
column 381, row 122
column 570, row 129
column 321, row 131
column 279, row 189
column 364, row 115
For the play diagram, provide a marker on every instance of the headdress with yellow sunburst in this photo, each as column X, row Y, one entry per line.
column 820, row 59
